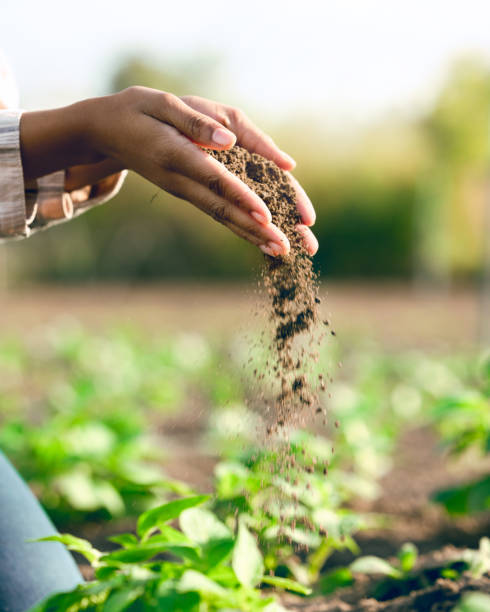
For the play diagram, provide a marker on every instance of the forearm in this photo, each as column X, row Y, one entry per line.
column 55, row 139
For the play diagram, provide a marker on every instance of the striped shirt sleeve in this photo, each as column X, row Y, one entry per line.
column 12, row 196
column 52, row 204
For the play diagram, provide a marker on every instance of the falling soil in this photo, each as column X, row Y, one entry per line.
column 292, row 289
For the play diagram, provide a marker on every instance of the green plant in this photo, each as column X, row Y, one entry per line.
column 82, row 467
column 463, row 422
column 402, row 577
column 286, row 498
column 204, row 566
column 473, row 602
column 76, row 410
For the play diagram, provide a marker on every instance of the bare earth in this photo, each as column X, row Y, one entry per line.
column 395, row 315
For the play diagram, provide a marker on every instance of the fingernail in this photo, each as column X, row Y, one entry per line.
column 288, row 158
column 223, row 137
column 311, row 244
column 260, row 217
column 285, row 244
column 275, row 248
column 265, row 249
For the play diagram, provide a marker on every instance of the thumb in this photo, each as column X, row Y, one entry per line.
column 198, row 127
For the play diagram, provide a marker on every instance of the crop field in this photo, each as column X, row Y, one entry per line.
column 130, row 413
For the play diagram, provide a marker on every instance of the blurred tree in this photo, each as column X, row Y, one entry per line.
column 197, row 75
column 452, row 190
column 398, row 197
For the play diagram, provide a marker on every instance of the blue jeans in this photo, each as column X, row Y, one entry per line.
column 29, row 572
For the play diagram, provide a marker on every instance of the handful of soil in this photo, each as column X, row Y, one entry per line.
column 292, row 288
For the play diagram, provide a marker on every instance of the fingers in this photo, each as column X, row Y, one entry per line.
column 79, row 176
column 303, row 203
column 248, row 134
column 255, row 140
column 268, row 236
column 191, row 161
column 198, row 127
column 309, row 238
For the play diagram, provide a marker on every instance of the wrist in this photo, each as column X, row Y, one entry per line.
column 55, row 139
column 80, row 121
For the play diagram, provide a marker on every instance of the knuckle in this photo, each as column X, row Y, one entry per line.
column 133, row 92
column 235, row 115
column 167, row 98
column 164, row 157
column 218, row 212
column 223, row 118
column 195, row 126
column 216, row 185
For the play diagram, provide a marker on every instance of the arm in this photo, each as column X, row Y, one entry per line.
column 157, row 135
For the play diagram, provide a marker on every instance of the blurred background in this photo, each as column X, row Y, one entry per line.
column 121, row 344
column 384, row 106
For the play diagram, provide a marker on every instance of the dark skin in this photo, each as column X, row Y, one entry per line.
column 160, row 136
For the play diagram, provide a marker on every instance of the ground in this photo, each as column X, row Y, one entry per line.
column 394, row 316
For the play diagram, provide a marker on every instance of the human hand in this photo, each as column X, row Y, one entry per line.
column 250, row 137
column 157, row 134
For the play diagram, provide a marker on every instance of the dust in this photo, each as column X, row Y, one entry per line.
column 290, row 392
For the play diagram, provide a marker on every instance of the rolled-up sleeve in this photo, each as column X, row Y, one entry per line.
column 48, row 203
column 13, row 222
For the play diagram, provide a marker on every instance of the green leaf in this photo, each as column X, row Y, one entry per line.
column 77, row 544
column 216, row 551
column 195, row 581
column 124, row 539
column 148, row 549
column 247, row 561
column 131, row 555
column 170, row 535
column 466, row 499
column 122, row 599
column 151, row 519
column 407, row 556
column 201, row 526
column 478, row 560
column 336, row 579
column 185, row 552
column 286, row 583
column 473, row 602
column 181, row 602
column 374, row 565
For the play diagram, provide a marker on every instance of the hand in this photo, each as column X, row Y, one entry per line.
column 157, row 135
column 250, row 137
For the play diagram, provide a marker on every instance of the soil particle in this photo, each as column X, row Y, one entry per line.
column 292, row 288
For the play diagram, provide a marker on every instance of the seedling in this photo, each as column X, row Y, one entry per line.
column 201, row 566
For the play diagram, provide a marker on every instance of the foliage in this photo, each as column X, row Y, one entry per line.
column 403, row 576
column 403, row 195
column 84, row 448
column 285, row 497
column 473, row 602
column 202, row 566
column 77, row 413
column 464, row 424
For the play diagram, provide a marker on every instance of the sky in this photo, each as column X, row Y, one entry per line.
column 340, row 60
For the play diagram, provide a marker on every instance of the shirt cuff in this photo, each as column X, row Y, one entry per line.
column 54, row 205
column 12, row 197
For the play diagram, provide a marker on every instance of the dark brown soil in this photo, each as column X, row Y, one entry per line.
column 292, row 289
column 441, row 596
column 420, row 469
